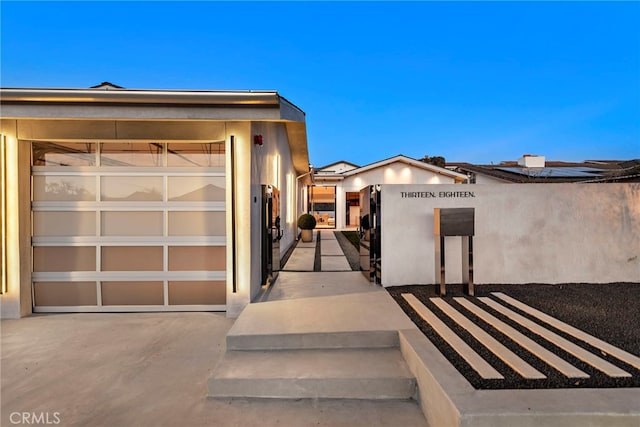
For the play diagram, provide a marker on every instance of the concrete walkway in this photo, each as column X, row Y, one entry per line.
column 303, row 256
column 332, row 257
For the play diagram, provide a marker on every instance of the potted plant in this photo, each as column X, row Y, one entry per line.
column 307, row 223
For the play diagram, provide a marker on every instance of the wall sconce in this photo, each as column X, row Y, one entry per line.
column 257, row 140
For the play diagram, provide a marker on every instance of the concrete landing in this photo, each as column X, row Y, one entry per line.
column 295, row 285
column 369, row 319
column 344, row 374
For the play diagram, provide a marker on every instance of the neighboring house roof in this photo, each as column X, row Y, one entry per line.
column 557, row 171
column 331, row 168
column 395, row 159
column 106, row 86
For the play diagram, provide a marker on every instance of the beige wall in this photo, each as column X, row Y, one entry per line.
column 17, row 301
column 525, row 233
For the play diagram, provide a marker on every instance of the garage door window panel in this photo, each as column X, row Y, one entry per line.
column 64, row 258
column 132, row 223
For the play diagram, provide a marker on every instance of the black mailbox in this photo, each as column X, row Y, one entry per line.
column 455, row 222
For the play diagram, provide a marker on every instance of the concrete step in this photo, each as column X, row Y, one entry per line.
column 351, row 321
column 314, row 340
column 296, row 374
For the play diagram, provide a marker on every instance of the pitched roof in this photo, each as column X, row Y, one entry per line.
column 336, row 163
column 398, row 158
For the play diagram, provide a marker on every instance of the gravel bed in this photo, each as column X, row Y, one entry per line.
column 609, row 312
column 350, row 252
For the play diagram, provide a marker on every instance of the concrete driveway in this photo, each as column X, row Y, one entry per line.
column 148, row 369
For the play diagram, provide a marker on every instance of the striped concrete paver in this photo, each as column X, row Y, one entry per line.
column 330, row 247
column 506, row 355
column 566, row 345
column 536, row 349
column 334, row 263
column 484, row 369
column 301, row 259
column 575, row 332
column 332, row 257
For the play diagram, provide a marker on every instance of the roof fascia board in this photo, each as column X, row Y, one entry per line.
column 289, row 111
column 297, row 136
column 139, row 96
column 139, row 112
column 328, row 177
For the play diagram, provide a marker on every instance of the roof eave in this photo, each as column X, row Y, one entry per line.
column 50, row 96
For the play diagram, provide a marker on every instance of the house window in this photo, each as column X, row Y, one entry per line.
column 322, row 205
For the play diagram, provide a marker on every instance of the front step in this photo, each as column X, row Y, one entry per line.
column 318, row 340
column 295, row 374
column 352, row 321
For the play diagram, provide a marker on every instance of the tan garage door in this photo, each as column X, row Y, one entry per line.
column 128, row 226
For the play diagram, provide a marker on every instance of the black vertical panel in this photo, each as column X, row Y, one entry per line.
column 233, row 213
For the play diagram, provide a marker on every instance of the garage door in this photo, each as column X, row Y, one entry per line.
column 128, row 226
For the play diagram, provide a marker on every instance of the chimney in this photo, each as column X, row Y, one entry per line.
column 531, row 161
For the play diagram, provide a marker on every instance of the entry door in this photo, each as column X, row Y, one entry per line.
column 271, row 233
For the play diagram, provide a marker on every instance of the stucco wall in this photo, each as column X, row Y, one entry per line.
column 525, row 233
column 271, row 164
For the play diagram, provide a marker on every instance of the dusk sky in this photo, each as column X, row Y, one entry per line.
column 479, row 82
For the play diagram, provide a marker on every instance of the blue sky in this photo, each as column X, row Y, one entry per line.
column 479, row 82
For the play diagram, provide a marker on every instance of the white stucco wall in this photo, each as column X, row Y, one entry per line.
column 524, row 233
column 271, row 164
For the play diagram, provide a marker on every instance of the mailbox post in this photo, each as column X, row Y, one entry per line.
column 455, row 222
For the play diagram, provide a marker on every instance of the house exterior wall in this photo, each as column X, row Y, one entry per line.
column 524, row 233
column 271, row 164
column 394, row 173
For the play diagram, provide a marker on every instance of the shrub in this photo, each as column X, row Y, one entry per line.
column 306, row 222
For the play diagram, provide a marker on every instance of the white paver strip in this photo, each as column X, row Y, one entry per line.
column 510, row 358
column 581, row 335
column 302, row 259
column 566, row 345
column 327, row 235
column 334, row 263
column 542, row 353
column 330, row 247
column 484, row 369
